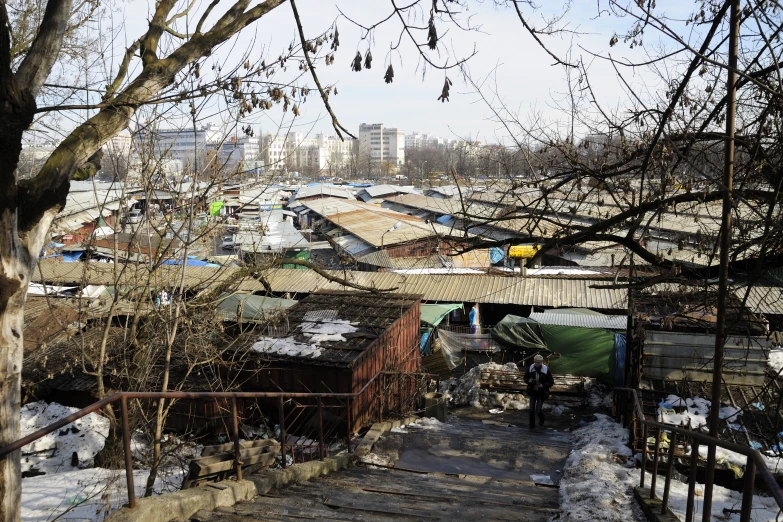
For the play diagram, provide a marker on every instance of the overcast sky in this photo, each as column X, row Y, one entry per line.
column 524, row 75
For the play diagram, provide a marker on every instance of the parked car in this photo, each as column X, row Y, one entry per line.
column 134, row 216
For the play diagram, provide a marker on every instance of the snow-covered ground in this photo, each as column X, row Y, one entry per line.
column 599, row 478
column 79, row 492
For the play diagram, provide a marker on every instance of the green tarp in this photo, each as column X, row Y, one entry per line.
column 252, row 307
column 587, row 352
column 435, row 313
column 215, row 207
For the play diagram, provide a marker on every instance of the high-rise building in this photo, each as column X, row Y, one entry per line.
column 179, row 144
column 382, row 143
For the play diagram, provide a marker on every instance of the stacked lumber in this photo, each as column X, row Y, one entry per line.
column 217, row 462
column 511, row 381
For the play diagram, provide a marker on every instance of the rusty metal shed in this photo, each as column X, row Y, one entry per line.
column 385, row 337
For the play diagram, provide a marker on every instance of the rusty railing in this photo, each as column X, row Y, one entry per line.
column 754, row 463
column 122, row 398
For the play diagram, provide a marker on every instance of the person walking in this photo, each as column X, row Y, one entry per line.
column 539, row 379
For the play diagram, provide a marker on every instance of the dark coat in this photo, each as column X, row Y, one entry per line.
column 544, row 378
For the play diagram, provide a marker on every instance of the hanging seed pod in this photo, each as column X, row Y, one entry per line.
column 336, row 39
column 356, row 63
column 368, row 60
column 444, row 95
column 389, row 76
column 432, row 34
column 295, row 110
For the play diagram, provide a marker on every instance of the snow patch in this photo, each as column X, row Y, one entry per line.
column 286, row 346
column 598, row 481
column 328, row 330
column 316, row 332
column 53, row 453
column 467, row 390
column 594, row 486
column 775, row 361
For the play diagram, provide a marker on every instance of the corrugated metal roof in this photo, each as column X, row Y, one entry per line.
column 463, row 288
column 323, row 190
column 375, row 225
column 610, row 322
column 377, row 191
column 762, row 299
column 575, row 293
column 477, row 216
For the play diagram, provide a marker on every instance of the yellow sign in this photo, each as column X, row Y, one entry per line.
column 523, row 251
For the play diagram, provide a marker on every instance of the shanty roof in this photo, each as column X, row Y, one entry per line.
column 375, row 225
column 377, row 191
column 333, row 328
column 322, row 189
column 448, row 191
column 480, row 216
column 446, row 288
column 555, row 317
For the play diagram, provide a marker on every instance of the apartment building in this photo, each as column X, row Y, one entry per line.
column 180, row 144
column 240, row 150
column 382, row 143
column 294, row 151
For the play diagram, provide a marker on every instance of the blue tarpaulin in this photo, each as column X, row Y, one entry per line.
column 619, row 358
column 425, row 345
column 72, row 256
column 191, row 262
column 496, row 255
column 443, row 219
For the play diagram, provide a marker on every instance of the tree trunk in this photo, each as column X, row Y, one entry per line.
column 11, row 321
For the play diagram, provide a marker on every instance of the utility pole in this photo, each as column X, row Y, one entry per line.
column 725, row 240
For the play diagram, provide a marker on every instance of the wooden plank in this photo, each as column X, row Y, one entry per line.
column 222, row 448
column 202, row 469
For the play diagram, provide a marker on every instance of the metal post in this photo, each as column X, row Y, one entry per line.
column 128, row 456
column 282, row 431
column 655, row 463
column 235, row 423
column 644, row 452
column 692, row 481
column 725, row 243
column 747, row 490
column 380, row 412
column 320, row 429
column 348, row 423
column 669, row 470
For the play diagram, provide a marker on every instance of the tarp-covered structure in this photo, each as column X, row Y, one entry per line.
column 434, row 314
column 251, row 307
column 575, row 350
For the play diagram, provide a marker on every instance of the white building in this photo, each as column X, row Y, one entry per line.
column 333, row 153
column 382, row 143
column 424, row 141
column 180, row 144
column 294, row 151
column 240, row 150
column 120, row 145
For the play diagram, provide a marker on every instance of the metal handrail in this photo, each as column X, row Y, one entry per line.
column 755, row 462
column 122, row 398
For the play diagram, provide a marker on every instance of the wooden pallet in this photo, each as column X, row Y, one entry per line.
column 217, row 462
